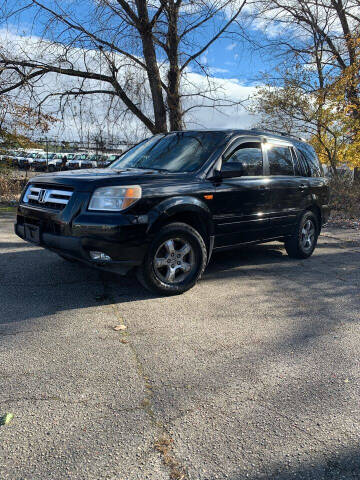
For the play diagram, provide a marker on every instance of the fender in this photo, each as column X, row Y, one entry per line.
column 180, row 205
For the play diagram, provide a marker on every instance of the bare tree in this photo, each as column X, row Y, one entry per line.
column 315, row 88
column 120, row 49
column 322, row 34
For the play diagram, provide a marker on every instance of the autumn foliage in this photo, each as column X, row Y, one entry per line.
column 19, row 121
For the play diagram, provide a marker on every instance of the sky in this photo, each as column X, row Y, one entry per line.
column 233, row 63
column 230, row 57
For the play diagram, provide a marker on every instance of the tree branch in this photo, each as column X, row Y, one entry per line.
column 220, row 32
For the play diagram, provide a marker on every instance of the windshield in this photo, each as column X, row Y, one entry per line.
column 174, row 152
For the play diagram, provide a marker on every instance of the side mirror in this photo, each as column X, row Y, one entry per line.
column 232, row 170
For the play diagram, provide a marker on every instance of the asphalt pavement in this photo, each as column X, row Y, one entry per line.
column 253, row 374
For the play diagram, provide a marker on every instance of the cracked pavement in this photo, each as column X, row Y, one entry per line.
column 252, row 374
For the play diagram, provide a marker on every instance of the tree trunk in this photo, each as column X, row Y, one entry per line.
column 152, row 67
column 333, row 165
column 352, row 91
column 173, row 94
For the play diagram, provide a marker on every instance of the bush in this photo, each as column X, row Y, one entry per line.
column 11, row 185
column 345, row 196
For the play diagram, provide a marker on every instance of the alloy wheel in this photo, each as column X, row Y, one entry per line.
column 308, row 235
column 174, row 261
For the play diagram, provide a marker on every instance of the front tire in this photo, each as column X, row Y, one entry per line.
column 175, row 260
column 303, row 241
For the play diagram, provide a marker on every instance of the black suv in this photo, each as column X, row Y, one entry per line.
column 166, row 204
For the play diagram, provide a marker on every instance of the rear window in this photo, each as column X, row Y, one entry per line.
column 307, row 154
column 280, row 160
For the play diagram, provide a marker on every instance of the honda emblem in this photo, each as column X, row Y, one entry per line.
column 42, row 197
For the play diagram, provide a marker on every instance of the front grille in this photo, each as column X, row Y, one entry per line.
column 49, row 198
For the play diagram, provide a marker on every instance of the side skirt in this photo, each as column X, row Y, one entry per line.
column 243, row 244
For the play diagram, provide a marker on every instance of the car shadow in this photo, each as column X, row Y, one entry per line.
column 35, row 282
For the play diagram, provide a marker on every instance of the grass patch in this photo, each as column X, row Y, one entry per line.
column 164, row 446
column 6, row 209
column 11, row 185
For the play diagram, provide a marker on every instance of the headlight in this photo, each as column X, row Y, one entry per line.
column 114, row 198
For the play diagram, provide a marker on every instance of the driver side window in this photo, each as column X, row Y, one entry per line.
column 248, row 156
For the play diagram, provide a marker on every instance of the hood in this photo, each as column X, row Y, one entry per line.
column 88, row 179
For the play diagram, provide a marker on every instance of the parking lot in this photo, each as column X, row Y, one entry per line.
column 254, row 373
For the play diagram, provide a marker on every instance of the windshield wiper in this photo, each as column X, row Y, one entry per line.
column 141, row 168
column 150, row 168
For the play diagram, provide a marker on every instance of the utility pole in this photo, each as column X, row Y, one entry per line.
column 47, row 153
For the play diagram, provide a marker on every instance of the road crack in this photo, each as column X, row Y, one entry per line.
column 163, row 443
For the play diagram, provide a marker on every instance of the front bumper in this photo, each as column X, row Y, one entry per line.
column 121, row 237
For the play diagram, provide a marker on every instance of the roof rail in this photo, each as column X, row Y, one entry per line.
column 278, row 132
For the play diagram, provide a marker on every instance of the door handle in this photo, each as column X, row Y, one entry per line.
column 264, row 187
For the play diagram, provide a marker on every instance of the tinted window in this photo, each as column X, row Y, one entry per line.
column 303, row 163
column 249, row 155
column 173, row 152
column 280, row 161
column 311, row 159
column 298, row 169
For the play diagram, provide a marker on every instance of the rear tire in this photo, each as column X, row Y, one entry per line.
column 303, row 241
column 175, row 260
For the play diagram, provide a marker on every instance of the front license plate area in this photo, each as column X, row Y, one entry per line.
column 32, row 233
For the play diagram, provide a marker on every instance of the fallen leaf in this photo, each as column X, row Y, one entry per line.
column 5, row 419
column 124, row 341
column 120, row 327
column 346, row 380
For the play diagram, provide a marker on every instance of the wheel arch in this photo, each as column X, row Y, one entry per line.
column 316, row 210
column 189, row 210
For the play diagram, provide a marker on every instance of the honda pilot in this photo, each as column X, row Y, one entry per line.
column 164, row 206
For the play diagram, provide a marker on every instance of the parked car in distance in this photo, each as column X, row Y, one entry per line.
column 166, row 204
column 109, row 159
column 10, row 158
column 76, row 161
column 40, row 163
column 26, row 162
column 51, row 162
column 90, row 162
column 19, row 155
